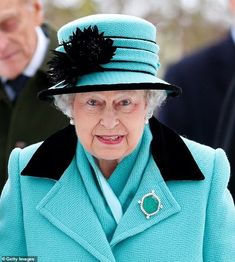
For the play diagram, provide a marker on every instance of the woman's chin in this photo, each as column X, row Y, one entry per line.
column 109, row 157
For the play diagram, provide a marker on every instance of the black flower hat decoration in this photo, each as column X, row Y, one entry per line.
column 85, row 52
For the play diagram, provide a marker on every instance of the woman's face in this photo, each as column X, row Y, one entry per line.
column 109, row 124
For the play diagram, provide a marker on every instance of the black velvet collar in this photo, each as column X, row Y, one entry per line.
column 169, row 152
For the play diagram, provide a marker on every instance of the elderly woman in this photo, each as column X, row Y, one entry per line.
column 115, row 185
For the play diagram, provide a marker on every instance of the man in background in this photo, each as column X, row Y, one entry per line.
column 225, row 132
column 204, row 77
column 24, row 45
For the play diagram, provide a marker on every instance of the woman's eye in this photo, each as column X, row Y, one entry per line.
column 125, row 102
column 92, row 102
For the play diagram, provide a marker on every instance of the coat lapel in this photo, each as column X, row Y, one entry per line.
column 81, row 224
column 134, row 220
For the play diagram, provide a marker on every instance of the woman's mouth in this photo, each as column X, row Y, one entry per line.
column 110, row 140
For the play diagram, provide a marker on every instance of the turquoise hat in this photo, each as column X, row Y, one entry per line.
column 106, row 52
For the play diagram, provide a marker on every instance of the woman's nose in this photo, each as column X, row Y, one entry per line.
column 109, row 118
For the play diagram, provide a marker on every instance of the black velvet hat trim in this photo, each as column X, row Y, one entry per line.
column 169, row 151
column 48, row 93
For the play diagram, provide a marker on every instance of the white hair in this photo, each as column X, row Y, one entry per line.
column 154, row 99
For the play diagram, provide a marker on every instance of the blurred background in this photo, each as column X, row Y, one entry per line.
column 183, row 25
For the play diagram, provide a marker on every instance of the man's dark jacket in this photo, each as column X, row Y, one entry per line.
column 204, row 78
column 28, row 120
column 225, row 133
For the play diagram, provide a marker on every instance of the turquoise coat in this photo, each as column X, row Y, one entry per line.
column 45, row 210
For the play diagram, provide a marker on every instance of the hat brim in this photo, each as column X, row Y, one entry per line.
column 111, row 81
column 172, row 90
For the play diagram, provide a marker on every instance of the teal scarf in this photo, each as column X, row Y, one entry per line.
column 122, row 184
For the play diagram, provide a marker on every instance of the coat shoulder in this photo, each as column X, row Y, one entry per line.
column 198, row 148
column 208, row 158
column 24, row 155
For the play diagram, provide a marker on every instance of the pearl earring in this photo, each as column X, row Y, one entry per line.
column 147, row 117
column 71, row 121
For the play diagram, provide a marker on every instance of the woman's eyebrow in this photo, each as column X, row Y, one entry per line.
column 118, row 94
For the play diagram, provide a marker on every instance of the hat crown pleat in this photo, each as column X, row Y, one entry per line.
column 133, row 37
column 118, row 26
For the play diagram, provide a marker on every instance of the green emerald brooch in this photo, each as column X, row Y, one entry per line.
column 150, row 204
